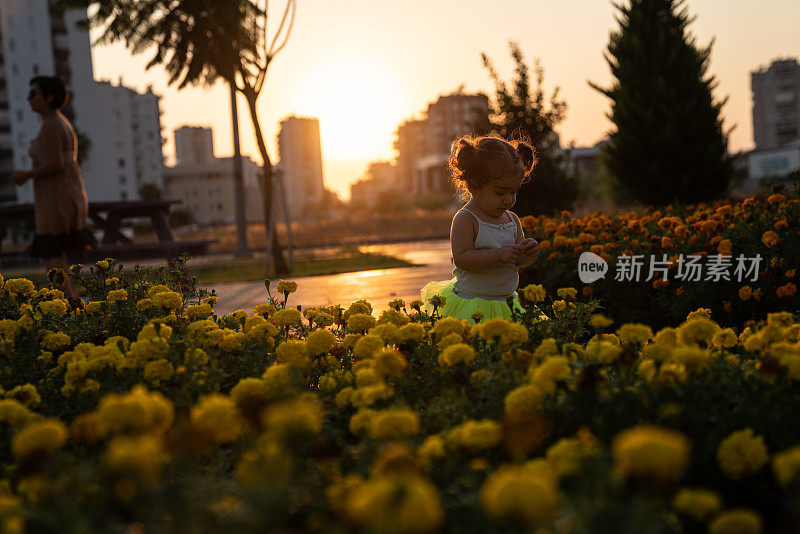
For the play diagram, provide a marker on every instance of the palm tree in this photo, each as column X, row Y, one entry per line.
column 199, row 42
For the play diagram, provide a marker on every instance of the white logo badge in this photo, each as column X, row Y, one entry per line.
column 591, row 267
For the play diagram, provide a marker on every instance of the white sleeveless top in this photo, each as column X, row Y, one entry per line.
column 493, row 283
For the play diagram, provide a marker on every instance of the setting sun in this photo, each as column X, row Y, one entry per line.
column 357, row 101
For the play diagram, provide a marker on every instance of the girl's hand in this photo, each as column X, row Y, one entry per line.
column 530, row 247
column 509, row 253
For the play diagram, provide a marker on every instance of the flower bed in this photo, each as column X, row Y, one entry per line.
column 147, row 411
column 757, row 226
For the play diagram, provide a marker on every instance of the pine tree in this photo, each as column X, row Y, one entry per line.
column 522, row 113
column 668, row 145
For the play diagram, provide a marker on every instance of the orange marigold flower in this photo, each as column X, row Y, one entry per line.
column 660, row 282
column 776, row 198
column 770, row 238
column 666, row 242
column 726, row 306
column 745, row 293
column 787, row 290
column 780, row 224
column 790, row 273
column 586, row 291
column 724, row 247
column 679, row 291
column 746, row 203
column 757, row 294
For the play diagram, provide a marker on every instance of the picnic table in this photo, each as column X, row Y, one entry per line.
column 114, row 243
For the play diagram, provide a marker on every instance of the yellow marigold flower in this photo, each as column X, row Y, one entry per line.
column 431, row 450
column 600, row 322
column 742, row 454
column 394, row 317
column 250, row 394
column 634, row 333
column 293, row 352
column 367, row 345
column 506, row 334
column 523, row 402
column 450, row 325
column 697, row 331
column 785, row 466
column 55, row 341
column 56, row 308
column 559, row 305
column 319, row 342
column 265, row 309
column 393, row 424
column 475, row 435
column 397, row 304
column 26, row 394
column 518, row 494
column 670, row 375
column 547, row 348
column 567, row 293
column 198, row 311
column 286, row 287
column 41, row 437
column 287, row 317
column 367, row 376
column 411, row 332
column 278, row 376
column 231, row 341
column 170, row 300
column 389, row 362
column 14, row 413
column 388, row 332
column 102, row 264
column 117, row 295
column 650, row 451
column 437, row 301
column 217, row 417
column 567, row 454
column 400, row 503
column 94, row 307
column 360, row 420
column 141, row 456
column 770, row 239
column 694, row 359
column 534, row 293
column 457, row 353
column 301, row 416
column 552, row 370
column 738, row 521
column 725, row 339
column 602, row 351
column 360, row 322
column 135, row 411
column 697, row 503
column 19, row 286
column 158, row 370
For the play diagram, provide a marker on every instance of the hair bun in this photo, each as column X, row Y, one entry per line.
column 464, row 155
column 528, row 156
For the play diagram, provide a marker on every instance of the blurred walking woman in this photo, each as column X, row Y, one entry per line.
column 60, row 200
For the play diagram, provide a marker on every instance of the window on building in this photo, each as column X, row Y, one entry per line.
column 122, row 179
column 123, row 195
column 14, row 69
column 35, row 69
column 121, row 163
column 11, row 44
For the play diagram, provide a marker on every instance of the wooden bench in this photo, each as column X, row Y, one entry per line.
column 114, row 243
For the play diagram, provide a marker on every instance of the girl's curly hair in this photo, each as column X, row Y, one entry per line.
column 475, row 161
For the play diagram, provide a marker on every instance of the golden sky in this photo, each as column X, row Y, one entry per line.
column 364, row 66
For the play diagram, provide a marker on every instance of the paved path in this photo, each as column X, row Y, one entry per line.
column 431, row 261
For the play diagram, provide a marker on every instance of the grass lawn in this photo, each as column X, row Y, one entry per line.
column 247, row 270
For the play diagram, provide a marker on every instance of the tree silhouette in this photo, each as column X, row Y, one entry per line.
column 521, row 112
column 668, row 145
column 199, row 42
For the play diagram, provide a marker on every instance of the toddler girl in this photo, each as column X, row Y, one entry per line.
column 487, row 241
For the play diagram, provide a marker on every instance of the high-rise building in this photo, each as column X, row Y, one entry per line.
column 126, row 152
column 194, row 144
column 205, row 184
column 380, row 178
column 423, row 145
column 776, row 104
column 300, row 155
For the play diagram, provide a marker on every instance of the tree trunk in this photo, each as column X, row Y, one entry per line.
column 278, row 260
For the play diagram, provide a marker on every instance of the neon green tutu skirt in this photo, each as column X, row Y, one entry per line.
column 464, row 308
